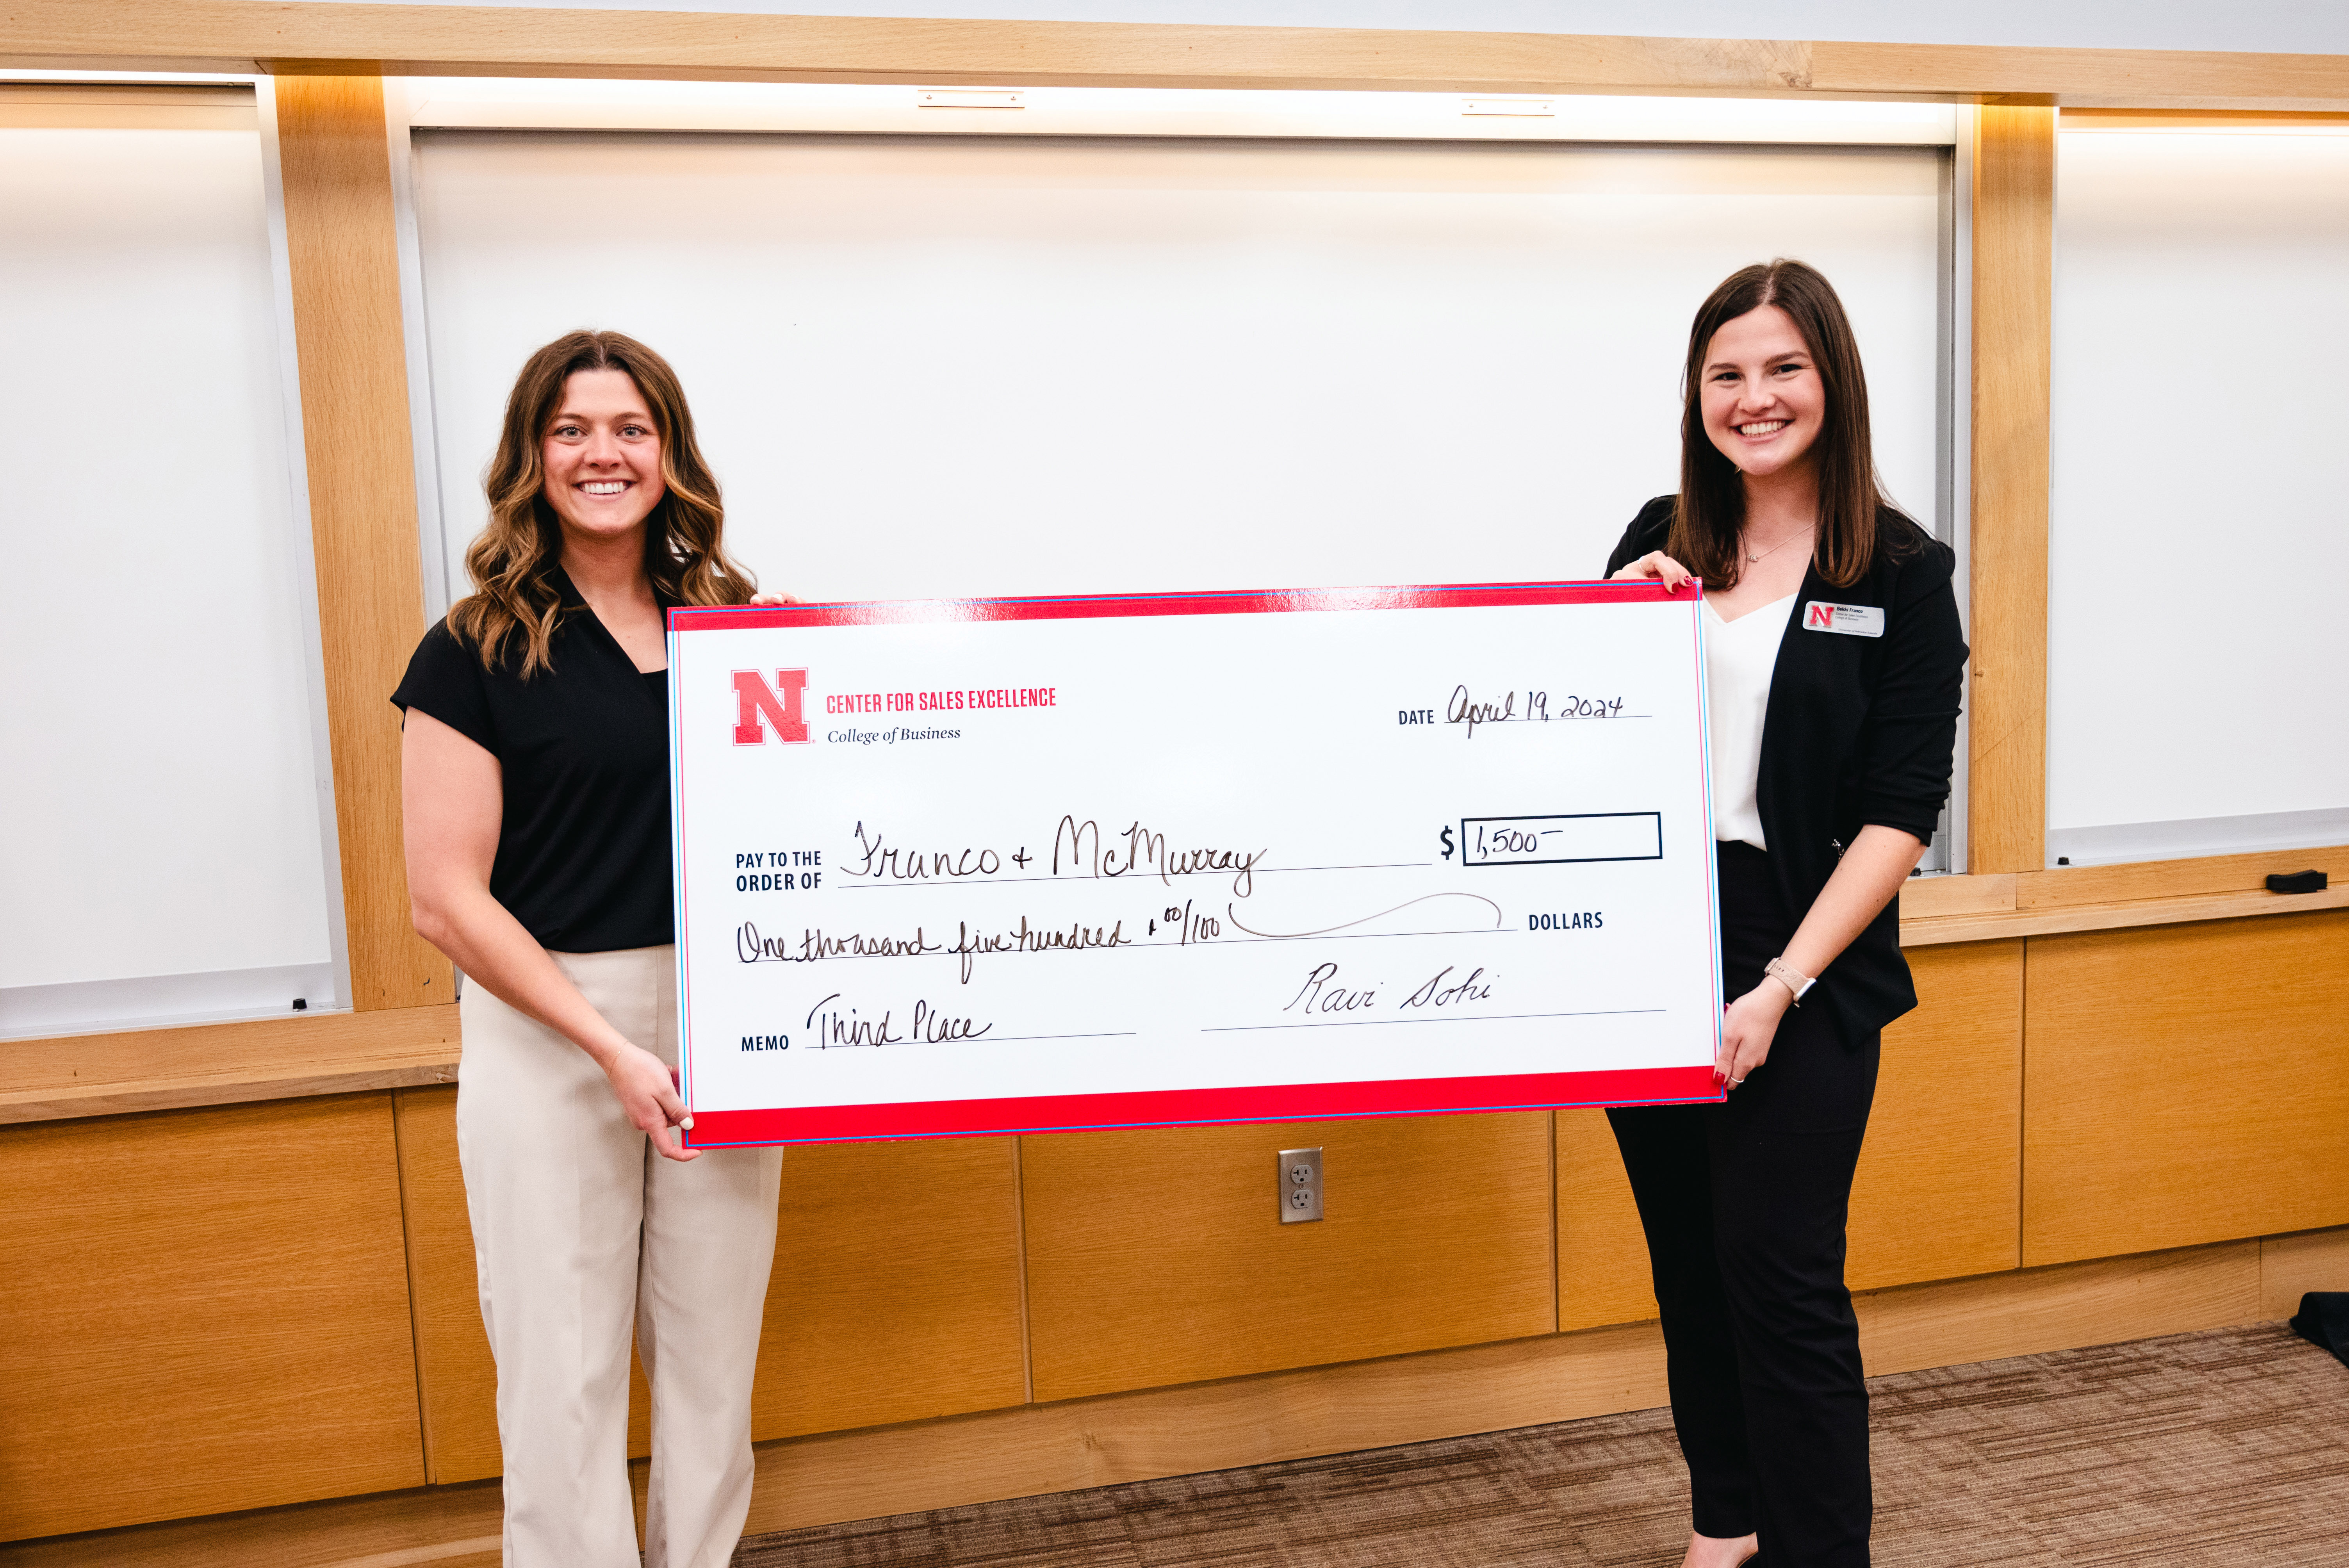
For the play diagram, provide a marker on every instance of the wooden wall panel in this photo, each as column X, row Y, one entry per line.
column 1939, row 1189
column 205, row 1310
column 2185, row 1084
column 2014, row 314
column 1602, row 1254
column 895, row 1296
column 344, row 259
column 897, row 1286
column 456, row 1378
column 1158, row 1257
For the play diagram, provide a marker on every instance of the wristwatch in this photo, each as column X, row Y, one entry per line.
column 1792, row 978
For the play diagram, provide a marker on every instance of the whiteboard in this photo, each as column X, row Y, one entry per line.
column 950, row 366
column 166, row 805
column 2198, row 532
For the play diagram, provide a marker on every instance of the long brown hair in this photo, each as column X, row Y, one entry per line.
column 1711, row 506
column 514, row 562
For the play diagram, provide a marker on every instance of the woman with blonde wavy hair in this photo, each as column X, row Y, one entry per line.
column 535, row 787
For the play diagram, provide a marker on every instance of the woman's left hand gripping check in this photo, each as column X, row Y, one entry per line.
column 1747, row 1027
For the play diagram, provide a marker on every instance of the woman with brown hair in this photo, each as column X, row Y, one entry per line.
column 1833, row 664
column 535, row 785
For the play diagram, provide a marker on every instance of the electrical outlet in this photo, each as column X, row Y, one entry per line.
column 1300, row 1185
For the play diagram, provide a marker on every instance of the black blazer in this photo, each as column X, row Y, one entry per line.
column 1858, row 730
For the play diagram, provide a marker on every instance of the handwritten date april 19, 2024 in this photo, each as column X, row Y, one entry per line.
column 1537, row 708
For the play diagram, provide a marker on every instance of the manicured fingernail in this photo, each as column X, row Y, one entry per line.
column 687, row 1124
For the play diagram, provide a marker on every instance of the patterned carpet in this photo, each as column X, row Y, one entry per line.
column 2216, row 1449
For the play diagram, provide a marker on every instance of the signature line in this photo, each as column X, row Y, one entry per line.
column 1484, row 1018
column 1104, row 1035
column 1232, row 915
column 975, row 1039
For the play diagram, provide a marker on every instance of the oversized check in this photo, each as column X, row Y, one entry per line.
column 1040, row 864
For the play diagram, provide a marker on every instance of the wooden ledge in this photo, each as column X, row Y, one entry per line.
column 226, row 1064
column 2109, row 898
column 1994, row 924
column 405, row 1048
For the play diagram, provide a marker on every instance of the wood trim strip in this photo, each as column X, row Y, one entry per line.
column 490, row 40
column 2027, row 1312
column 436, row 1527
column 1143, row 1435
column 2013, row 301
column 125, row 106
column 2291, row 1266
column 1148, row 1434
column 344, row 256
column 2085, row 77
column 2201, row 119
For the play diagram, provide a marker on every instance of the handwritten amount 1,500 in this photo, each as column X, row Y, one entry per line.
column 1466, row 710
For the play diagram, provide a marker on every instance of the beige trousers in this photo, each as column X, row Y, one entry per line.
column 578, row 1228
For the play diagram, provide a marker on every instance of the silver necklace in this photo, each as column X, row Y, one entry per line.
column 1782, row 544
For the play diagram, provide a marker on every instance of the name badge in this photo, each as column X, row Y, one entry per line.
column 1851, row 620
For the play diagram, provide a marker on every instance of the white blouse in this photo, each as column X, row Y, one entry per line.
column 1740, row 657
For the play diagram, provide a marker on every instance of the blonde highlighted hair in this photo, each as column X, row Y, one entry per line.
column 513, row 564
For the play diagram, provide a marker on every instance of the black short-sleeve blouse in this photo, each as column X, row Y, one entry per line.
column 583, row 857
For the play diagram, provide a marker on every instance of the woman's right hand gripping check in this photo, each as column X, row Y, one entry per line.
column 647, row 1090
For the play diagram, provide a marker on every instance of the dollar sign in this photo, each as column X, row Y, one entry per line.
column 1447, row 843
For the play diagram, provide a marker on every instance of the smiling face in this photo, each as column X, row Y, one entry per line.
column 602, row 456
column 1764, row 402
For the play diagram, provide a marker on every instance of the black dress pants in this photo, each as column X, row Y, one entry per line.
column 1743, row 1205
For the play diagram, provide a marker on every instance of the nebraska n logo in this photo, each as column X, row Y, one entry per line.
column 1822, row 619
column 756, row 700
